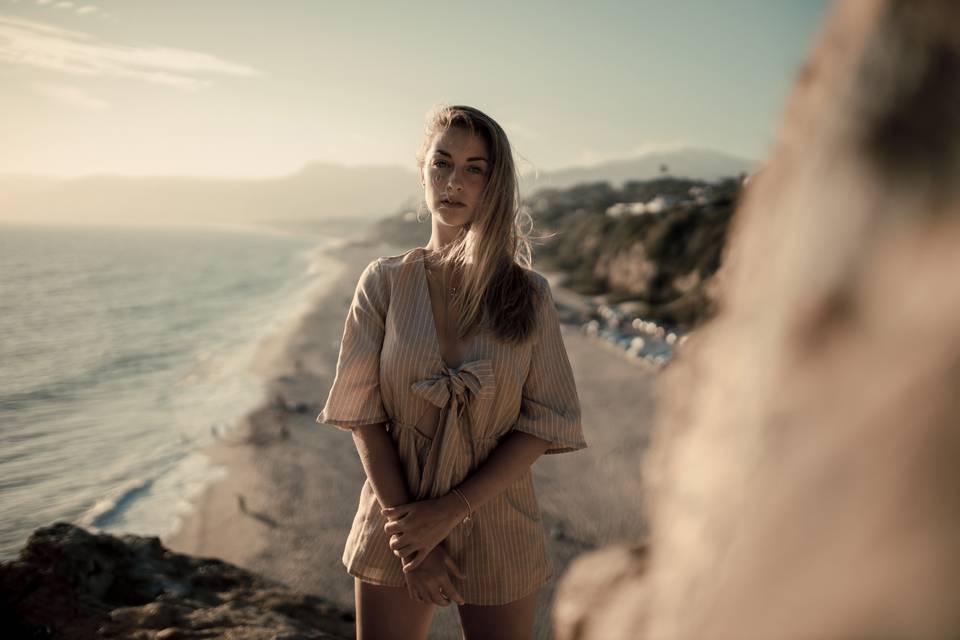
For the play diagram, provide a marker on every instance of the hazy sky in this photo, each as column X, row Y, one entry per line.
column 254, row 88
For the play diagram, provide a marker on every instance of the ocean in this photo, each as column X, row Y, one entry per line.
column 123, row 352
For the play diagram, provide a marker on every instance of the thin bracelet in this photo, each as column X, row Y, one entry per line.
column 466, row 502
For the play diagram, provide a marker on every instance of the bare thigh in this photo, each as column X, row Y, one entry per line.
column 385, row 613
column 513, row 621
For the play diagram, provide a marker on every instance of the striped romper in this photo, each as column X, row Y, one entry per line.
column 390, row 370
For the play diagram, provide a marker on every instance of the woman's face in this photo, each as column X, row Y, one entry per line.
column 454, row 174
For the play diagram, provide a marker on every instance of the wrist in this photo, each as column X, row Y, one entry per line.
column 455, row 506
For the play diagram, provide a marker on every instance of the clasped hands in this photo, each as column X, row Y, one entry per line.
column 416, row 528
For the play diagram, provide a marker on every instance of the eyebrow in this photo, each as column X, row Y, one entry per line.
column 468, row 159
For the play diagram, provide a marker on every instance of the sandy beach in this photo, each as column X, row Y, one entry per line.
column 287, row 503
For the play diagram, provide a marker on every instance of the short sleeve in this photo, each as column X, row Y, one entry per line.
column 550, row 406
column 354, row 398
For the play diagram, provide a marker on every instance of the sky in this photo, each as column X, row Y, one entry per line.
column 249, row 88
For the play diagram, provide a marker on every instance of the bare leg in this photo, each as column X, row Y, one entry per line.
column 388, row 613
column 511, row 621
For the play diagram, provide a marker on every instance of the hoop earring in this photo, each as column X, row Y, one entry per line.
column 420, row 207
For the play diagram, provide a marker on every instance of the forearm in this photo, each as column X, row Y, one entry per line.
column 504, row 466
column 415, row 529
column 381, row 462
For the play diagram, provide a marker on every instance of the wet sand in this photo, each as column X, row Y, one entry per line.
column 287, row 504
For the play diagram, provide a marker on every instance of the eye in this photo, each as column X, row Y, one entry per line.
column 479, row 170
column 437, row 163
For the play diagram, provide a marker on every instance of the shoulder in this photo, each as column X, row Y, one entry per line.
column 396, row 261
column 538, row 281
column 543, row 303
column 535, row 277
column 381, row 272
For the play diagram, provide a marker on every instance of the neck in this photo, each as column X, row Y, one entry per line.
column 441, row 234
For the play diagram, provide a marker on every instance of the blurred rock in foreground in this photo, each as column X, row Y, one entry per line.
column 803, row 478
column 70, row 583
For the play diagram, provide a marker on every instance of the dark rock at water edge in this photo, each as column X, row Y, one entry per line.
column 71, row 583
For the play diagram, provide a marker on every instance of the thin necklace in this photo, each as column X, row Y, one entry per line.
column 452, row 290
column 447, row 290
column 432, row 266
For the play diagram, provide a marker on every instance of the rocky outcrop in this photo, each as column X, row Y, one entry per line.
column 70, row 583
column 802, row 480
column 662, row 257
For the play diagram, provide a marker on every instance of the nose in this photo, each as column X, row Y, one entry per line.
column 454, row 181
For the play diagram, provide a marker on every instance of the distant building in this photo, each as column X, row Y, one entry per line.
column 656, row 205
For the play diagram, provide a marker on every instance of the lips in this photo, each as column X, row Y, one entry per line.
column 451, row 203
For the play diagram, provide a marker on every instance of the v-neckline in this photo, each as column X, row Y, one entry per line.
column 425, row 295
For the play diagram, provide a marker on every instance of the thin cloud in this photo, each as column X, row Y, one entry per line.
column 82, row 10
column 29, row 43
column 72, row 96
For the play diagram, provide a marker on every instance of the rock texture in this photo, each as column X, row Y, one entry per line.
column 664, row 257
column 802, row 481
column 70, row 583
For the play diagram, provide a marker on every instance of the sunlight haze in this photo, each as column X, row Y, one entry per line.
column 258, row 90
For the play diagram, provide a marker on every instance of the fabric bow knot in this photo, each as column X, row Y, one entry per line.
column 452, row 391
column 475, row 376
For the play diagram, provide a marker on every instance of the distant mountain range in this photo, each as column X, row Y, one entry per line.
column 317, row 193
column 694, row 164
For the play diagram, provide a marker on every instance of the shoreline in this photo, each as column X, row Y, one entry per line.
column 236, row 517
column 288, row 500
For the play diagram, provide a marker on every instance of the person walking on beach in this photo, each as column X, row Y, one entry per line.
column 453, row 379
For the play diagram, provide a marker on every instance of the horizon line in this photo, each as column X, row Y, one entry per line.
column 309, row 163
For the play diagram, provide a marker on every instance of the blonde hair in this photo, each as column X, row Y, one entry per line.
column 492, row 252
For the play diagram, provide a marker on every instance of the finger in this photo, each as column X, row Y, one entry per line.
column 411, row 563
column 452, row 565
column 395, row 513
column 407, row 563
column 406, row 551
column 392, row 527
column 426, row 596
column 398, row 544
column 401, row 543
column 437, row 598
column 451, row 591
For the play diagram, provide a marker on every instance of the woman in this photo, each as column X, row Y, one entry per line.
column 453, row 379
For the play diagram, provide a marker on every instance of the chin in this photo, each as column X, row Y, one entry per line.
column 454, row 220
